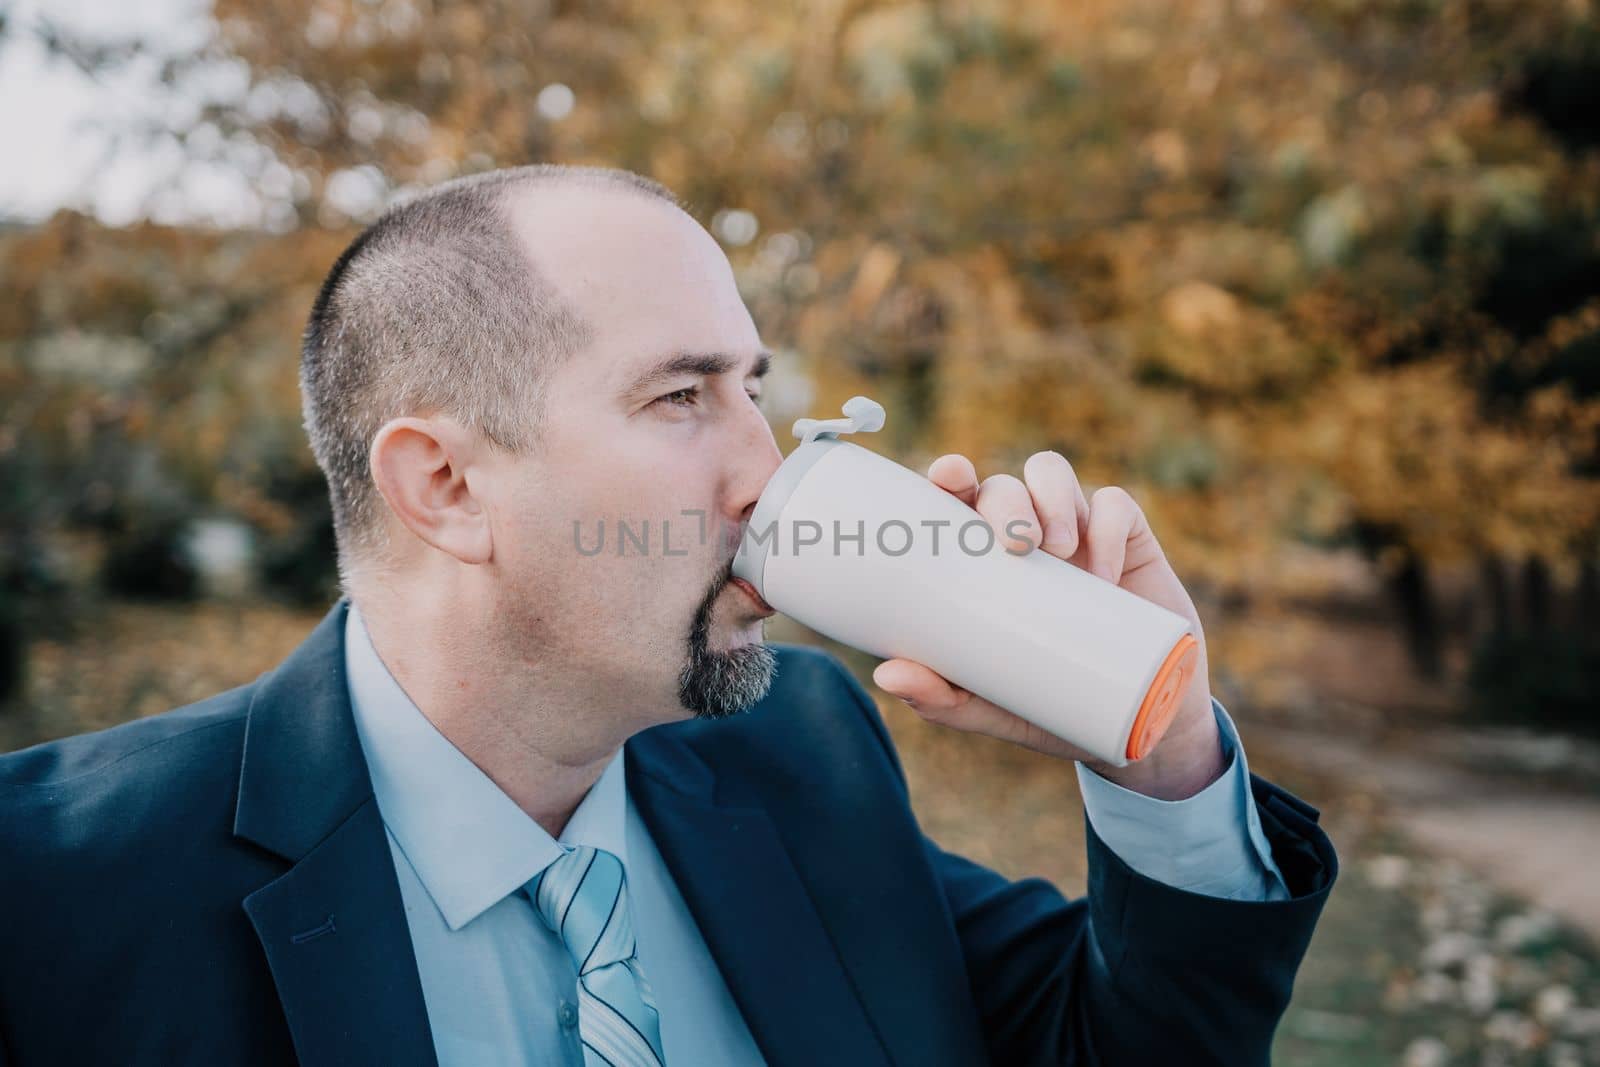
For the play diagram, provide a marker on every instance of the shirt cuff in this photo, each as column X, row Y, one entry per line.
column 1211, row 843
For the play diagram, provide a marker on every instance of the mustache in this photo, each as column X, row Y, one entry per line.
column 700, row 625
column 719, row 581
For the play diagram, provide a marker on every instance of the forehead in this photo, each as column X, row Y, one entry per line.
column 646, row 276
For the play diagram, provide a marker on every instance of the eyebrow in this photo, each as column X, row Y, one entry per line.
column 698, row 363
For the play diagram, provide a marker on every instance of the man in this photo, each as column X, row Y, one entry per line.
column 515, row 802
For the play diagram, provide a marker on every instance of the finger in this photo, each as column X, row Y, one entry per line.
column 918, row 686
column 1058, row 499
column 1113, row 519
column 937, row 701
column 1005, row 504
column 955, row 474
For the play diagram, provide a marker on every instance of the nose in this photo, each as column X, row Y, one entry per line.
column 753, row 457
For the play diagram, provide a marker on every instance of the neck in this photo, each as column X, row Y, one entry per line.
column 539, row 734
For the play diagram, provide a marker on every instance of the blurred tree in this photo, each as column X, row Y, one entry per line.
column 147, row 371
column 1316, row 271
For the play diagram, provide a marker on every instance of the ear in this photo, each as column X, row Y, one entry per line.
column 421, row 467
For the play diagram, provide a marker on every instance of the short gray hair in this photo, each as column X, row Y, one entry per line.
column 436, row 307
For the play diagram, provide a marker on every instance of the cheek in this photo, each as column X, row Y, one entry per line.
column 672, row 485
column 654, row 489
column 624, row 540
column 534, row 527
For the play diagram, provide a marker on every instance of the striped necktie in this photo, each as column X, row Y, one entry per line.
column 582, row 897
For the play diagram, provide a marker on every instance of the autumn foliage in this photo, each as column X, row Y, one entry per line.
column 1295, row 273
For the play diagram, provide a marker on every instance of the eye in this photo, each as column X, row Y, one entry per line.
column 689, row 396
column 685, row 397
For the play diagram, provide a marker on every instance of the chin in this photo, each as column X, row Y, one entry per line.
column 743, row 634
column 720, row 683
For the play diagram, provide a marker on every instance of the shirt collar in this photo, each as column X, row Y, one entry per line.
column 467, row 840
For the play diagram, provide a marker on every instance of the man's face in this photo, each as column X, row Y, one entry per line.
column 614, row 539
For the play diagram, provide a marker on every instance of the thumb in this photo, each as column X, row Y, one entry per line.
column 893, row 678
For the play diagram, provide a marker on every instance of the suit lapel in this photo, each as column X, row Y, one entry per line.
column 752, row 908
column 333, row 927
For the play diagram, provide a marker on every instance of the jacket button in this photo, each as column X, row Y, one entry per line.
column 568, row 1014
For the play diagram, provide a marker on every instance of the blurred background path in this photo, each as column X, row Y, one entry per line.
column 1520, row 809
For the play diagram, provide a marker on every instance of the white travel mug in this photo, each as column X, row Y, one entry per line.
column 872, row 554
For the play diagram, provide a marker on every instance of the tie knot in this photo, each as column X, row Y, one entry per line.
column 582, row 897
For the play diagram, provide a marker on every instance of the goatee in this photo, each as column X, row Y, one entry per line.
column 717, row 684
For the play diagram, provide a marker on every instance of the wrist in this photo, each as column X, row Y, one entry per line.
column 1186, row 760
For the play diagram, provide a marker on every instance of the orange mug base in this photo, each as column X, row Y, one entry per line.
column 1162, row 700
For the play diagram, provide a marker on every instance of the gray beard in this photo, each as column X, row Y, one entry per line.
column 719, row 684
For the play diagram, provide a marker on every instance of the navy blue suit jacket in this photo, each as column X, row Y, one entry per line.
column 213, row 886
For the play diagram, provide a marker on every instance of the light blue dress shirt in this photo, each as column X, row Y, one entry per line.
column 499, row 985
column 1210, row 843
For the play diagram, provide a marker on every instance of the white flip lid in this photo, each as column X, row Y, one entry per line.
column 861, row 414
